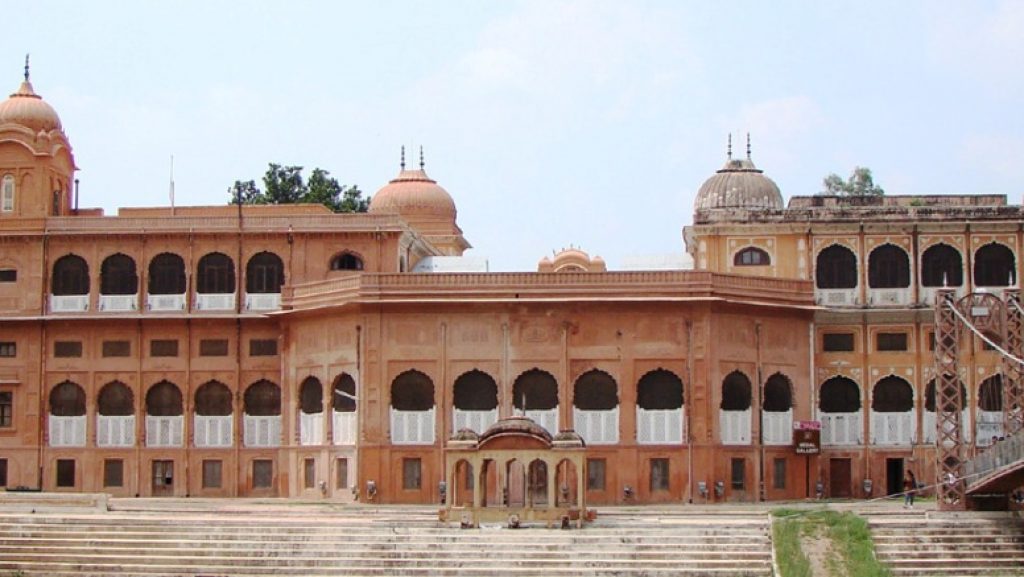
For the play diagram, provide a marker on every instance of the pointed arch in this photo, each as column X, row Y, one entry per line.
column 264, row 273
column 166, row 275
column 836, row 268
column 752, row 256
column 994, row 266
column 118, row 275
column 346, row 260
column 942, row 265
column 70, row 276
column 215, row 274
column 888, row 267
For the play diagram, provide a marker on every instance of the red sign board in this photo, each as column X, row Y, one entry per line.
column 806, row 425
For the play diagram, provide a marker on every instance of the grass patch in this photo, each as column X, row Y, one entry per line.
column 852, row 552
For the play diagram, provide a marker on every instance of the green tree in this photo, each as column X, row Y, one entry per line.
column 285, row 185
column 860, row 183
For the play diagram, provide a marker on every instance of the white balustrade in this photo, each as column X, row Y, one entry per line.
column 841, row 428
column 889, row 296
column 778, row 427
column 547, row 418
column 345, row 427
column 735, row 427
column 119, row 303
column 892, row 428
column 659, row 426
column 262, row 301
column 836, row 297
column 215, row 302
column 67, row 431
column 69, row 303
column 311, row 428
column 262, row 431
column 165, row 303
column 213, row 431
column 930, row 430
column 476, row 421
column 115, row 430
column 412, row 427
column 165, row 431
column 597, row 427
column 990, row 425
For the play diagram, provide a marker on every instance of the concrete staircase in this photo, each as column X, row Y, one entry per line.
column 937, row 544
column 144, row 538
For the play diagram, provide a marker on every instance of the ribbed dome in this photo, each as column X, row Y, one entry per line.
column 413, row 193
column 516, row 425
column 739, row 184
column 28, row 109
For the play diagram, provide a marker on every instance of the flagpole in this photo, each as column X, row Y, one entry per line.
column 172, row 185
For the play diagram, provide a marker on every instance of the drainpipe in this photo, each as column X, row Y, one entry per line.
column 686, row 409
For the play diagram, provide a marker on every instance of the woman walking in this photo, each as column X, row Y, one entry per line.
column 909, row 488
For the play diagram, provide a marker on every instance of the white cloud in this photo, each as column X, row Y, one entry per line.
column 787, row 123
column 994, row 153
column 985, row 45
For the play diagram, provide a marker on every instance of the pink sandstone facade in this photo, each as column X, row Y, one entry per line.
column 290, row 351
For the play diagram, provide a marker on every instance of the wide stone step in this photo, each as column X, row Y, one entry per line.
column 185, row 564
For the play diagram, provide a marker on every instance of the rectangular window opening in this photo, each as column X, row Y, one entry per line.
column 6, row 409
column 263, row 347
column 262, row 474
column 412, row 469
column 8, row 349
column 779, row 473
column 341, row 474
column 3, row 473
column 837, row 342
column 212, row 469
column 117, row 348
column 67, row 349
column 163, row 348
column 8, row 275
column 659, row 474
column 595, row 474
column 891, row 342
column 113, row 473
column 309, row 473
column 213, row 348
column 739, row 474
column 65, row 472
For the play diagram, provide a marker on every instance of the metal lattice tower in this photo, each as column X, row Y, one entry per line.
column 949, row 402
column 1013, row 372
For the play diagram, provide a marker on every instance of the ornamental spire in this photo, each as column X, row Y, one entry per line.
column 728, row 152
column 403, row 157
column 421, row 157
column 748, row 146
column 26, row 68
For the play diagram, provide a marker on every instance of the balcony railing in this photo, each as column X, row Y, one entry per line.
column 892, row 429
column 990, row 426
column 213, row 431
column 165, row 431
column 262, row 301
column 115, row 431
column 778, row 427
column 930, row 430
column 889, row 296
column 215, row 302
column 69, row 303
column 311, row 429
column 119, row 303
column 67, row 431
column 165, row 303
column 547, row 418
column 476, row 421
column 412, row 427
column 597, row 427
column 838, row 429
column 836, row 297
column 262, row 431
column 660, row 427
column 346, row 430
column 735, row 427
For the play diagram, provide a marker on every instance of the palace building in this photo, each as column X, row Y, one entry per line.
column 290, row 351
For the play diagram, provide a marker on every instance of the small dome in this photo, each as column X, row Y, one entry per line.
column 516, row 425
column 413, row 193
column 28, row 109
column 739, row 184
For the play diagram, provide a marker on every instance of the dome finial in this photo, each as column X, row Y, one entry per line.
column 26, row 68
column 748, row 146
column 421, row 157
column 403, row 157
column 728, row 152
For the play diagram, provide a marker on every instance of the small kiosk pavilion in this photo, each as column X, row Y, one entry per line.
column 513, row 473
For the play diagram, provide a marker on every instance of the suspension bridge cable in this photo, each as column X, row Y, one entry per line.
column 981, row 336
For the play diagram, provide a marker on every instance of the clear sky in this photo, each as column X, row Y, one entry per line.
column 550, row 123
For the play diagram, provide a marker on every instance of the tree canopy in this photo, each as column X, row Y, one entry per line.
column 860, row 183
column 285, row 185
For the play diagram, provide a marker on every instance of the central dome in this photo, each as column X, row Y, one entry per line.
column 739, row 184
column 28, row 109
column 413, row 193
